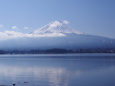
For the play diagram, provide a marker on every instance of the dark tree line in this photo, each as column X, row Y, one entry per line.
column 57, row 51
column 2, row 52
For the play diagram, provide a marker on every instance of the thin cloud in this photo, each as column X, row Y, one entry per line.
column 14, row 34
column 10, row 34
column 1, row 26
column 26, row 28
column 65, row 22
column 55, row 24
column 14, row 27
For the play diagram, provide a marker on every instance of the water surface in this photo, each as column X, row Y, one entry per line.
column 58, row 70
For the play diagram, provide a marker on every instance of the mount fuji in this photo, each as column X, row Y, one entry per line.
column 56, row 29
column 56, row 34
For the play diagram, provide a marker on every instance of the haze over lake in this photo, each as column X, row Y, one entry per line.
column 58, row 70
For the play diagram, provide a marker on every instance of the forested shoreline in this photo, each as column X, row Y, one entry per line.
column 57, row 51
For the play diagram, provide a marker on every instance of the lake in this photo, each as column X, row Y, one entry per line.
column 58, row 70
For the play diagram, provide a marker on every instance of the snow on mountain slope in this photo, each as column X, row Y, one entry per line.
column 54, row 29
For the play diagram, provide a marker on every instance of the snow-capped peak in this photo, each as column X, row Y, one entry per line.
column 56, row 28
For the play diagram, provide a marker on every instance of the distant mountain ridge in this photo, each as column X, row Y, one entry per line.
column 56, row 34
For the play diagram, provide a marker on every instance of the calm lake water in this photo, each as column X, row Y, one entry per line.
column 58, row 70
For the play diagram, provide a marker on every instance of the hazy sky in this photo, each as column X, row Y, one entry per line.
column 89, row 16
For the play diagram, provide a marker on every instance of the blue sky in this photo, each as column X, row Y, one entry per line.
column 95, row 17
